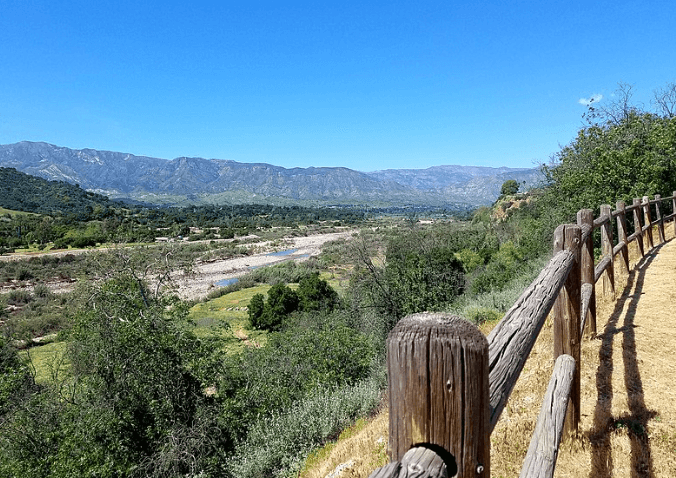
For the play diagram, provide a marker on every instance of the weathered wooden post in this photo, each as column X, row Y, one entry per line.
column 638, row 228
column 585, row 219
column 566, row 326
column 622, row 233
column 438, row 391
column 648, row 222
column 607, row 250
column 673, row 209
column 544, row 445
column 658, row 218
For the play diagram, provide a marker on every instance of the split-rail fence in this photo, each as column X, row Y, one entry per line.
column 448, row 383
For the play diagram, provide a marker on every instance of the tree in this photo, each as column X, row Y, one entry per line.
column 15, row 378
column 665, row 100
column 136, row 403
column 281, row 302
column 316, row 294
column 256, row 309
column 509, row 188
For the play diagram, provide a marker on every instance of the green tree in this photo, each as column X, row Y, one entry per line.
column 509, row 188
column 281, row 302
column 136, row 403
column 256, row 310
column 316, row 294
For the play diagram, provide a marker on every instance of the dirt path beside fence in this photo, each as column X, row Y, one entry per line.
column 629, row 379
column 628, row 372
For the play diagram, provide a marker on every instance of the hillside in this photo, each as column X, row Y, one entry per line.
column 23, row 192
column 197, row 180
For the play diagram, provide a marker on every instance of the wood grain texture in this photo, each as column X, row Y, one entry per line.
column 585, row 218
column 566, row 318
column 418, row 462
column 647, row 223
column 658, row 218
column 622, row 236
column 673, row 208
column 438, row 388
column 601, row 268
column 512, row 340
column 607, row 252
column 586, row 293
column 544, row 446
column 638, row 228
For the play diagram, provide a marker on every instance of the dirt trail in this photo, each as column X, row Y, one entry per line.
column 628, row 389
column 629, row 401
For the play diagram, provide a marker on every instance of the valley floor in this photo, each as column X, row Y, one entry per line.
column 205, row 275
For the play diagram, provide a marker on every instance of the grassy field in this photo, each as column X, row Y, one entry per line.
column 228, row 318
column 47, row 361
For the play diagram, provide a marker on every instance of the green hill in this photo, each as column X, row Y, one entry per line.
column 22, row 192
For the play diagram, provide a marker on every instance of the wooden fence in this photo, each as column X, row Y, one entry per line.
column 448, row 383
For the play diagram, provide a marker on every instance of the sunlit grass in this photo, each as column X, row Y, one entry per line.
column 47, row 361
column 227, row 317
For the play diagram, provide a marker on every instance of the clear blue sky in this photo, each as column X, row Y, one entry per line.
column 362, row 84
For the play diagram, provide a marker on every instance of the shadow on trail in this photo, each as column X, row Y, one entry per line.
column 636, row 420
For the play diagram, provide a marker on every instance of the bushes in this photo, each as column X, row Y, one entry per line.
column 139, row 407
column 287, row 272
column 277, row 443
column 313, row 294
column 312, row 354
column 269, row 315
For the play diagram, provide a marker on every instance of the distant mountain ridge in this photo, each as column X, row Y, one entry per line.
column 186, row 180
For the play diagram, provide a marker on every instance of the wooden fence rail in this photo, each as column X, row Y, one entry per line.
column 448, row 384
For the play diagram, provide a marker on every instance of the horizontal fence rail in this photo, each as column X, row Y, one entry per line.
column 448, row 384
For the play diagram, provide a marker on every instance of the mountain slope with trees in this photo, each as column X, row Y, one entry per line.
column 198, row 180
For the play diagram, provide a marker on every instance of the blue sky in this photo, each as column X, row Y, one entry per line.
column 365, row 85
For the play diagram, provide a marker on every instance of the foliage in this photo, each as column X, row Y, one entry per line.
column 286, row 272
column 313, row 294
column 15, row 377
column 277, row 444
column 316, row 294
column 136, row 403
column 622, row 160
column 310, row 354
column 281, row 302
column 421, row 272
column 499, row 271
column 509, row 188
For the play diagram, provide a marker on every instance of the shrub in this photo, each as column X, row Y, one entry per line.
column 316, row 294
column 479, row 315
column 42, row 291
column 24, row 274
column 19, row 297
column 278, row 443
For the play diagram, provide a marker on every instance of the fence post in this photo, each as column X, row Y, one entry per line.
column 566, row 326
column 648, row 222
column 673, row 209
column 622, row 233
column 438, row 391
column 585, row 218
column 638, row 228
column 607, row 251
column 658, row 217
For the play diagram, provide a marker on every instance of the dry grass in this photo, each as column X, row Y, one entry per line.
column 628, row 402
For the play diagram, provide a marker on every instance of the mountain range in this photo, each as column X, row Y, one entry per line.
column 182, row 181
